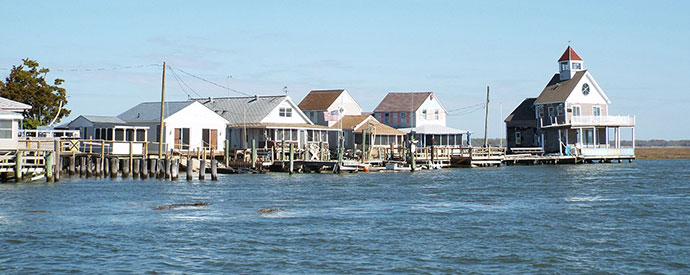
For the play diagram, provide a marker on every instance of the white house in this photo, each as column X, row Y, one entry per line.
column 10, row 118
column 188, row 125
column 423, row 113
column 112, row 129
column 269, row 120
column 319, row 101
column 571, row 112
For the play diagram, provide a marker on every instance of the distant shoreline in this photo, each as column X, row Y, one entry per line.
column 665, row 152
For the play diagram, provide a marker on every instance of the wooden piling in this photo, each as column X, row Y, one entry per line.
column 175, row 169
column 18, row 162
column 190, row 167
column 152, row 168
column 125, row 168
column 58, row 162
column 89, row 170
column 292, row 158
column 106, row 167
column 160, row 168
column 48, row 166
column 114, row 163
column 99, row 170
column 72, row 165
column 135, row 168
column 168, row 168
column 202, row 169
column 82, row 167
column 144, row 169
column 214, row 169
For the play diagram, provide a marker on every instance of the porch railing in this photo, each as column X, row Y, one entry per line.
column 602, row 120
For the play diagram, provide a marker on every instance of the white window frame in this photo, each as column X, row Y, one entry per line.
column 437, row 115
column 559, row 110
column 564, row 66
column 577, row 66
column 596, row 110
column 551, row 111
column 540, row 111
column 577, row 111
column 285, row 112
column 7, row 128
column 424, row 114
column 518, row 137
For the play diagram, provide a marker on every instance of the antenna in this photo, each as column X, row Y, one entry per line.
column 285, row 90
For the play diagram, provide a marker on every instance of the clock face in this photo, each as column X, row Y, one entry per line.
column 585, row 89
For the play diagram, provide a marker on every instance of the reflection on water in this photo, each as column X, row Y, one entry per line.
column 596, row 218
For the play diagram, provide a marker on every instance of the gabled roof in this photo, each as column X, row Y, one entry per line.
column 401, row 102
column 151, row 111
column 357, row 123
column 8, row 104
column 239, row 110
column 319, row 99
column 524, row 113
column 557, row 90
column 105, row 119
column 569, row 54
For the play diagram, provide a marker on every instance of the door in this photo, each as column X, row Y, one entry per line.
column 209, row 138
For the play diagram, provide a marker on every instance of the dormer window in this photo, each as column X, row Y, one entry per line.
column 564, row 66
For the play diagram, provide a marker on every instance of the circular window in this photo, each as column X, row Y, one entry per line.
column 585, row 89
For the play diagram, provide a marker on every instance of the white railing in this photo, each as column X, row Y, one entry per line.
column 602, row 120
column 49, row 133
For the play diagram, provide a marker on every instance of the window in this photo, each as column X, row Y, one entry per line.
column 285, row 112
column 550, row 111
column 540, row 111
column 387, row 118
column 576, row 110
column 109, row 134
column 403, row 116
column 577, row 66
column 564, row 66
column 424, row 114
column 141, row 135
column 97, row 134
column 130, row 134
column 119, row 134
column 585, row 89
column 596, row 111
column 5, row 129
column 518, row 137
column 436, row 115
column 559, row 110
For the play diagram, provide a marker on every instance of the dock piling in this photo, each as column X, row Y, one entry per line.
column 202, row 169
column 125, row 168
column 190, row 167
column 292, row 158
column 144, row 169
column 135, row 168
column 214, row 168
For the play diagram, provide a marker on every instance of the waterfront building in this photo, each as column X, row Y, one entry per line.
column 188, row 125
column 319, row 104
column 271, row 121
column 423, row 113
column 570, row 116
column 10, row 120
column 378, row 135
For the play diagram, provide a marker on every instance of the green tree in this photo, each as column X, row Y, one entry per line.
column 27, row 84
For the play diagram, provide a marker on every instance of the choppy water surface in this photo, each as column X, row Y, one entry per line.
column 618, row 218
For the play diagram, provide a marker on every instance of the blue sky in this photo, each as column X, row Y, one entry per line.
column 637, row 51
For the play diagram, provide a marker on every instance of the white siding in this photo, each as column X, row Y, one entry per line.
column 297, row 115
column 196, row 117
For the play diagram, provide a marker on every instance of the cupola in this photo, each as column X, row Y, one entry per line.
column 569, row 64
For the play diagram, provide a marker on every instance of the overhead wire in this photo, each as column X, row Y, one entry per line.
column 181, row 81
column 213, row 83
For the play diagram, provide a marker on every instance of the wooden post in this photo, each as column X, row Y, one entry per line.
column 162, row 124
column 168, row 168
column 131, row 156
column 106, row 167
column 135, row 168
column 190, row 167
column 114, row 166
column 433, row 147
column 89, row 168
column 292, row 158
column 160, row 163
column 144, row 168
column 214, row 169
column 48, row 166
column 226, row 153
column 82, row 167
column 174, row 169
column 152, row 167
column 202, row 169
column 58, row 161
column 18, row 162
column 72, row 165
column 99, row 171
column 125, row 168
column 253, row 159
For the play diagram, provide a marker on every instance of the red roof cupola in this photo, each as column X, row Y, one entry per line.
column 569, row 54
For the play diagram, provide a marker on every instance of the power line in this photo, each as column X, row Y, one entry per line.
column 213, row 83
column 179, row 79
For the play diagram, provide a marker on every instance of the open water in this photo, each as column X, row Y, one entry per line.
column 594, row 218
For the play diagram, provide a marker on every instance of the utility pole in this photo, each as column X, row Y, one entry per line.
column 486, row 120
column 161, row 131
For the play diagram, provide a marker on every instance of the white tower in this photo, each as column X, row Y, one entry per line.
column 569, row 64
